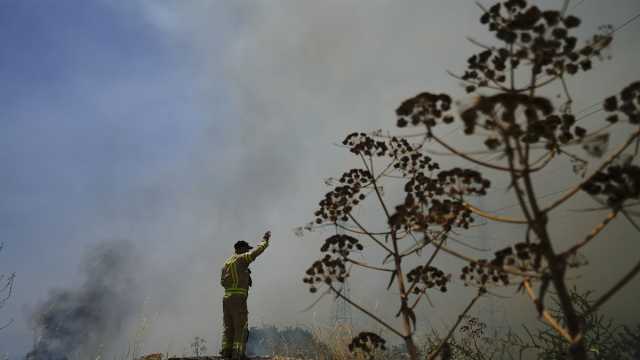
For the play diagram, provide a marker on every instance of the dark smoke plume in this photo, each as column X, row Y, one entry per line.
column 74, row 323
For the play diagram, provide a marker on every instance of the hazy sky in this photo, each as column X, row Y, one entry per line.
column 184, row 126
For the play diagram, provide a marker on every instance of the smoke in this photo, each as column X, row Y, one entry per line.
column 74, row 323
column 302, row 75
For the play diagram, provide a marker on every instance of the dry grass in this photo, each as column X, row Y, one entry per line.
column 335, row 341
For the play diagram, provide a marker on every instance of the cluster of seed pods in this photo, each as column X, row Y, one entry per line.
column 627, row 103
column 367, row 343
column 428, row 277
column 540, row 39
column 521, row 256
column 617, row 184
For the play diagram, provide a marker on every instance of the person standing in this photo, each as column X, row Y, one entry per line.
column 236, row 280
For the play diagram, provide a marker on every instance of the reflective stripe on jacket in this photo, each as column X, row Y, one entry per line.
column 235, row 276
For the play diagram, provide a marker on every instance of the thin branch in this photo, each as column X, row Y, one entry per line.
column 369, row 234
column 482, row 7
column 506, row 207
column 415, row 250
column 467, row 245
column 607, row 207
column 420, row 244
column 479, row 44
column 467, row 157
column 366, row 312
column 375, row 185
column 365, row 265
column 470, row 152
column 507, row 269
column 425, row 243
column 546, row 315
column 428, row 263
column 383, row 172
column 514, row 180
column 596, row 230
column 577, row 188
column 500, row 88
column 418, row 298
column 619, row 285
column 476, row 83
column 630, row 219
column 544, row 159
column 407, row 136
column 589, row 114
column 538, row 85
column 493, row 217
column 624, row 207
column 324, row 293
column 346, row 228
column 435, row 353
column 543, row 146
column 316, row 301
column 7, row 324
column 565, row 6
column 629, row 21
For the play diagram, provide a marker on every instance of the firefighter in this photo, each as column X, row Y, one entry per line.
column 236, row 280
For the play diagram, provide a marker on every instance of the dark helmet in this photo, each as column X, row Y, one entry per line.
column 242, row 245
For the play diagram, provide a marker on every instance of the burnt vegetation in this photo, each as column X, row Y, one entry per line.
column 526, row 131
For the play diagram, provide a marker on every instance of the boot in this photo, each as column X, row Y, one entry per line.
column 237, row 356
column 226, row 354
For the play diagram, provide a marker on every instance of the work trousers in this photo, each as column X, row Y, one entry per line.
column 235, row 314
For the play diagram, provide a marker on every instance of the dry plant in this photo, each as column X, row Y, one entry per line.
column 336, row 344
column 336, row 340
column 292, row 342
column 605, row 338
column 525, row 132
column 6, row 290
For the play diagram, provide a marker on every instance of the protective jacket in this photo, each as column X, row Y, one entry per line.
column 235, row 275
column 236, row 279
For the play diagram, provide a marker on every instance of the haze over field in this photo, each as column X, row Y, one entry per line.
column 160, row 132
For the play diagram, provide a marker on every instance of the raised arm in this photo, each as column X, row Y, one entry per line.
column 253, row 254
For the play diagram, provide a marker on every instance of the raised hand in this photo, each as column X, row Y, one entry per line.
column 267, row 236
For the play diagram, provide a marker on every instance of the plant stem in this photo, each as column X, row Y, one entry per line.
column 404, row 308
column 557, row 265
column 367, row 312
column 546, row 315
column 619, row 285
column 435, row 353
